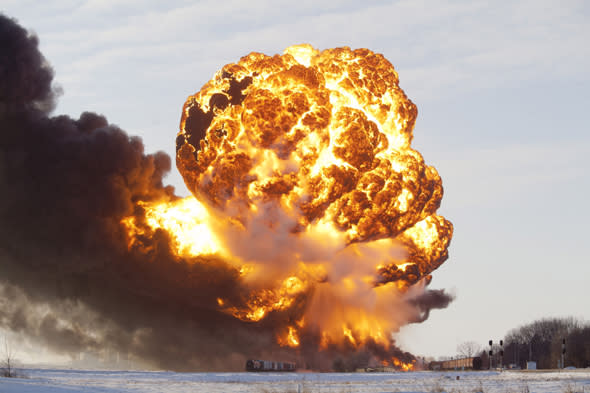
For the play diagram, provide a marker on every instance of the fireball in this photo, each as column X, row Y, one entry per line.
column 324, row 135
column 308, row 183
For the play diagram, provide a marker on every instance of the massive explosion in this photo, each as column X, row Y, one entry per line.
column 315, row 195
column 311, row 235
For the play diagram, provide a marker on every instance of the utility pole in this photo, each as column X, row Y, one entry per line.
column 501, row 354
column 490, row 354
column 563, row 354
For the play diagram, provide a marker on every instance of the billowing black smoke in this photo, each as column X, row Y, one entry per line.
column 65, row 185
column 67, row 276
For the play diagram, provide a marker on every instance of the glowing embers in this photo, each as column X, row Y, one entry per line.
column 184, row 220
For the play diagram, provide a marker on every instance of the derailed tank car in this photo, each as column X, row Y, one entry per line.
column 267, row 365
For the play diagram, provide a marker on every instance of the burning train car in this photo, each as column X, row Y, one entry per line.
column 267, row 365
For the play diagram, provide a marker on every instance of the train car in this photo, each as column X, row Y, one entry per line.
column 267, row 365
column 473, row 363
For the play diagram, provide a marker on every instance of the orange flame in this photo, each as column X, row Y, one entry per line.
column 291, row 339
column 403, row 366
column 185, row 220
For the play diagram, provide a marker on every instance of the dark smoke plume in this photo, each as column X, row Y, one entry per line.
column 430, row 300
column 67, row 276
column 65, row 186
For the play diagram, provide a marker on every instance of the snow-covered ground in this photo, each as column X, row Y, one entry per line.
column 68, row 381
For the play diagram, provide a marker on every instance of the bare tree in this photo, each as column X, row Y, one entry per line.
column 468, row 349
column 7, row 365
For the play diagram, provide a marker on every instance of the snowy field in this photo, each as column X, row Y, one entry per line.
column 68, row 381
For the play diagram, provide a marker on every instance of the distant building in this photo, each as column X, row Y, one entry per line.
column 531, row 365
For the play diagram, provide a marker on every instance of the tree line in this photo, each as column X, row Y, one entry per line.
column 541, row 341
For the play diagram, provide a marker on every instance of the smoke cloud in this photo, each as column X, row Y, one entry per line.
column 67, row 276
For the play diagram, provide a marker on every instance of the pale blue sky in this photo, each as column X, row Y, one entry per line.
column 502, row 95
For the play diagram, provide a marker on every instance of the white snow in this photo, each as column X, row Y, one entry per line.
column 69, row 381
